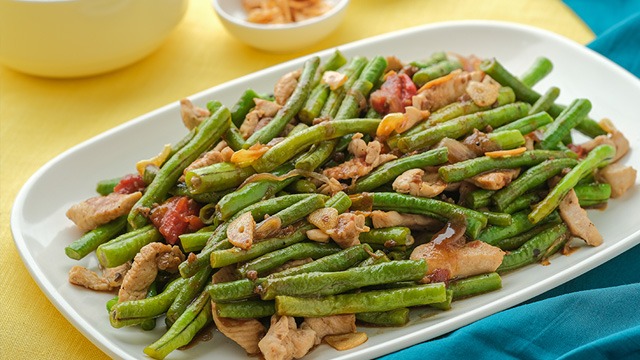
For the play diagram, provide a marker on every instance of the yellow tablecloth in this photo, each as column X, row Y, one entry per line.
column 40, row 118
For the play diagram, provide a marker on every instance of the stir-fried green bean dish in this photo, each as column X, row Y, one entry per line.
column 357, row 190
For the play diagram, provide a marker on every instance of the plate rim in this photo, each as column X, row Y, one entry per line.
column 102, row 342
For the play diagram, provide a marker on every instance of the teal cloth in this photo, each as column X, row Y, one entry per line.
column 594, row 316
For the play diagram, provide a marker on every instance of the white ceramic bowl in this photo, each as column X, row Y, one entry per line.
column 279, row 38
column 71, row 38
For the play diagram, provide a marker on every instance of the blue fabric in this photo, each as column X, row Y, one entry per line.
column 596, row 315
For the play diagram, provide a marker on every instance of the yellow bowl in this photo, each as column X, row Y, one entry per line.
column 72, row 38
column 279, row 38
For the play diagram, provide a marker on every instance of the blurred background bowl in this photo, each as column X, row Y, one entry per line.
column 73, row 38
column 279, row 38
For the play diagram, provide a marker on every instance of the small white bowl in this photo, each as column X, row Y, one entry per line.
column 72, row 38
column 279, row 38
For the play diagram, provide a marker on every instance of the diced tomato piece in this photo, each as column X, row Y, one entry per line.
column 176, row 216
column 130, row 184
column 394, row 94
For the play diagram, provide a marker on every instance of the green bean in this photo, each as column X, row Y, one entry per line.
column 339, row 261
column 498, row 218
column 253, row 192
column 247, row 309
column 479, row 198
column 588, row 126
column 192, row 288
column 258, row 210
column 128, row 312
column 530, row 179
column 538, row 70
column 125, row 247
column 387, row 237
column 395, row 317
column 192, row 242
column 523, row 93
column 235, row 255
column 302, row 186
column 523, row 202
column 333, row 63
column 476, row 221
column 242, row 107
column 597, row 157
column 351, row 104
column 527, row 124
column 315, row 102
column 435, row 71
column 291, row 214
column 299, row 251
column 233, row 138
column 194, row 318
column 206, row 197
column 316, row 156
column 352, row 71
column 233, row 290
column 592, row 194
column 567, row 120
column 390, row 170
column 296, row 129
column 105, row 187
column 454, row 110
column 207, row 133
column 90, row 240
column 475, row 285
column 331, row 283
column 545, row 101
column 378, row 257
column 217, row 177
column 516, row 241
column 378, row 300
column 509, row 139
column 434, row 58
column 469, row 168
column 150, row 324
column 535, row 249
column 520, row 223
column 290, row 146
column 290, row 108
column 463, row 125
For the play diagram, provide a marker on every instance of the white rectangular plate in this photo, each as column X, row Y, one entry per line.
column 41, row 230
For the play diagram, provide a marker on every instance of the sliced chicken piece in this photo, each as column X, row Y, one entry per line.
column 330, row 325
column 285, row 86
column 448, row 256
column 615, row 139
column 192, row 115
column 284, row 341
column 494, row 180
column 347, row 231
column 620, row 177
column 447, row 89
column 151, row 258
column 245, row 332
column 111, row 278
column 100, row 210
column 418, row 183
column 264, row 109
column 479, row 143
column 209, row 158
column 577, row 220
column 383, row 219
column 366, row 158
